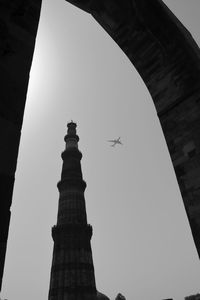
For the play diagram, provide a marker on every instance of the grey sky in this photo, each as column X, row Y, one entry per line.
column 142, row 244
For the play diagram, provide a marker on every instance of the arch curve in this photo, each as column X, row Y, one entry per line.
column 168, row 60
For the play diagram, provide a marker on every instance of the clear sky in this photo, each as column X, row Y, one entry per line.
column 142, row 244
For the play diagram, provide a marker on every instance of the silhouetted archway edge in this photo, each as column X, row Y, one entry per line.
column 18, row 27
column 168, row 59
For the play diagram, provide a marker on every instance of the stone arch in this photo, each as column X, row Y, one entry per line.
column 163, row 52
column 168, row 60
column 18, row 26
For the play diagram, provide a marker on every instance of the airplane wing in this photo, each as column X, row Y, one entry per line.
column 115, row 142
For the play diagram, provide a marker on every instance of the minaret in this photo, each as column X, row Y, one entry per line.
column 72, row 272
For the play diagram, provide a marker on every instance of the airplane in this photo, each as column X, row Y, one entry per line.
column 115, row 142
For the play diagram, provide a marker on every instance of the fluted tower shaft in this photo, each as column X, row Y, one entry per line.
column 72, row 272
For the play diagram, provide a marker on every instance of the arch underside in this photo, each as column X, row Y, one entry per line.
column 168, row 59
column 18, row 26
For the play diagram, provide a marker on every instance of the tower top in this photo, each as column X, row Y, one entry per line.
column 71, row 139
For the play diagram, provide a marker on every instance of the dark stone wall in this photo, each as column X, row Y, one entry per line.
column 18, row 26
column 168, row 60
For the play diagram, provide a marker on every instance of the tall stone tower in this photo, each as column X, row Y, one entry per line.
column 72, row 272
